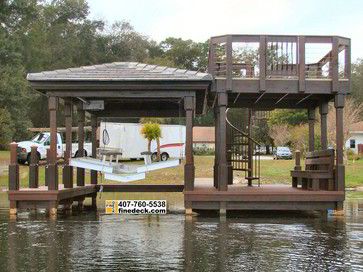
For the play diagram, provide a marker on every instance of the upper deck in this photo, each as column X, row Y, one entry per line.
column 280, row 64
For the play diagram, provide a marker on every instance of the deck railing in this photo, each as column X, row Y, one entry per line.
column 266, row 57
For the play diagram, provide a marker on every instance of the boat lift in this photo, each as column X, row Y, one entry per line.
column 120, row 171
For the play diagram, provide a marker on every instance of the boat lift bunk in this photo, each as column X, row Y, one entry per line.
column 120, row 171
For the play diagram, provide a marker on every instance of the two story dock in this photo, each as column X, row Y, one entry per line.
column 257, row 72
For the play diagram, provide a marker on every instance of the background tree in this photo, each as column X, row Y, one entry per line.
column 152, row 131
column 352, row 113
column 280, row 134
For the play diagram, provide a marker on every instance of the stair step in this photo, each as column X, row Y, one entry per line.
column 252, row 178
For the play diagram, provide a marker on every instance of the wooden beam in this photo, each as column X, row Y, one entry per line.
column 311, row 120
column 334, row 69
column 67, row 169
column 189, row 169
column 122, row 94
column 262, row 63
column 323, row 110
column 52, row 166
column 301, row 58
column 141, row 187
column 229, row 63
column 222, row 143
column 13, row 168
column 340, row 168
column 94, row 146
column 81, row 121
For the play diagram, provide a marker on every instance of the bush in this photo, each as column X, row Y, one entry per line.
column 203, row 151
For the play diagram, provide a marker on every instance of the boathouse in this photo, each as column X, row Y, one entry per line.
column 256, row 72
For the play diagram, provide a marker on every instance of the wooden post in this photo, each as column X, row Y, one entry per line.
column 13, row 168
column 94, row 155
column 297, row 160
column 222, row 163
column 311, row 117
column 262, row 63
column 297, row 167
column 216, row 147
column 229, row 63
column 229, row 155
column 334, row 65
column 94, row 146
column 301, row 58
column 81, row 120
column 250, row 149
column 189, row 168
column 52, row 166
column 340, row 168
column 33, row 168
column 323, row 109
column 67, row 169
column 47, row 176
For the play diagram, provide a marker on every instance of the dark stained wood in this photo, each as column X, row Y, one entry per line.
column 13, row 167
column 33, row 168
column 52, row 165
column 301, row 55
column 229, row 61
column 323, row 110
column 340, row 168
column 222, row 144
column 81, row 120
column 318, row 173
column 67, row 169
column 125, row 187
column 311, row 118
column 334, row 69
column 94, row 146
column 262, row 63
column 189, row 169
column 42, row 194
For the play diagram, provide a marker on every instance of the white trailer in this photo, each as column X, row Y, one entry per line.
column 127, row 138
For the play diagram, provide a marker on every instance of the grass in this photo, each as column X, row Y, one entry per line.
column 272, row 171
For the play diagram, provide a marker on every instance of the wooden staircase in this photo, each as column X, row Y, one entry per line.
column 243, row 152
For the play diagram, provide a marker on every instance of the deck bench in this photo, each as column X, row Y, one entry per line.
column 318, row 173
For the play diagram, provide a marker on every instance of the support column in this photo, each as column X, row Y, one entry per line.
column 189, row 168
column 340, row 168
column 33, row 168
column 222, row 154
column 250, row 149
column 81, row 120
column 323, row 109
column 67, row 169
column 94, row 155
column 229, row 154
column 52, row 166
column 216, row 147
column 94, row 146
column 311, row 118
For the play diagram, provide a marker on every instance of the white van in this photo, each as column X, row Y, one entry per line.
column 127, row 139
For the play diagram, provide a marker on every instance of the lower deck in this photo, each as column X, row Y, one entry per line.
column 203, row 197
column 266, row 197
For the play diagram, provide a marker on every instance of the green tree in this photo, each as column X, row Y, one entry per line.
column 152, row 131
column 357, row 81
column 288, row 116
column 6, row 129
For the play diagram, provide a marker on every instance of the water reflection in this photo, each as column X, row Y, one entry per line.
column 253, row 242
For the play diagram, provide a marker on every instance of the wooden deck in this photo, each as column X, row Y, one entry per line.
column 41, row 197
column 266, row 197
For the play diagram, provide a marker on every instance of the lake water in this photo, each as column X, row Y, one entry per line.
column 272, row 241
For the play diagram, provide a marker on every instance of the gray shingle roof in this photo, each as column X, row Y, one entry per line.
column 119, row 71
